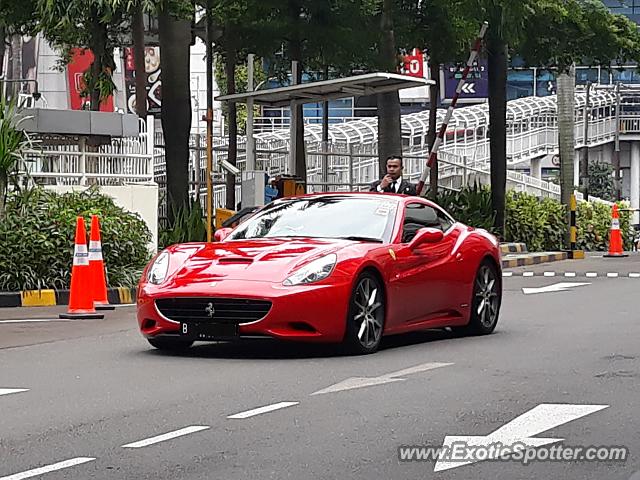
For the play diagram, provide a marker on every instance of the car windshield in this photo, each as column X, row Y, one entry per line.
column 327, row 216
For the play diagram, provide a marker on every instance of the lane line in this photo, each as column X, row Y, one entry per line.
column 507, row 274
column 592, row 274
column 612, row 275
column 570, row 274
column 37, row 320
column 261, row 410
column 49, row 468
column 9, row 391
column 634, row 275
column 549, row 274
column 527, row 274
column 166, row 436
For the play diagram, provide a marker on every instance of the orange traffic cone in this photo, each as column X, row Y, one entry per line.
column 96, row 268
column 80, row 297
column 615, row 236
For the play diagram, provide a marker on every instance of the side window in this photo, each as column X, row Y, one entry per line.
column 419, row 215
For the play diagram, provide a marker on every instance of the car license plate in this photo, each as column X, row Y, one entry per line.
column 208, row 331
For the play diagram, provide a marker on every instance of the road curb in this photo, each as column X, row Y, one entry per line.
column 513, row 247
column 52, row 298
column 534, row 259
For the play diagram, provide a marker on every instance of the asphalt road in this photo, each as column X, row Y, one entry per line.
column 97, row 396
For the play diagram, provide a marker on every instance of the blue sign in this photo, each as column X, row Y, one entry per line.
column 476, row 86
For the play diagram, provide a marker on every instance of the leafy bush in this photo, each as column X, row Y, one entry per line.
column 189, row 225
column 539, row 223
column 37, row 239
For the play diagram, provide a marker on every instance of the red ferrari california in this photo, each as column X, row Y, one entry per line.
column 332, row 267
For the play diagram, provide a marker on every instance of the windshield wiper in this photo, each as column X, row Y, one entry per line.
column 361, row 239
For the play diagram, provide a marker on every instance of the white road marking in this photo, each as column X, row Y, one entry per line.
column 592, row 274
column 520, row 431
column 612, row 275
column 507, row 274
column 8, row 391
column 556, row 287
column 361, row 382
column 261, row 410
column 549, row 274
column 527, row 274
column 165, row 436
column 49, row 468
column 570, row 274
column 634, row 275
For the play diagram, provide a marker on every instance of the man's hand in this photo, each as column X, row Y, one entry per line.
column 386, row 181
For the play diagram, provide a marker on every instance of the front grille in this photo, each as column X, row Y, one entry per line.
column 214, row 310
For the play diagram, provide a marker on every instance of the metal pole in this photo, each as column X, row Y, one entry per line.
column 209, row 118
column 443, row 129
column 293, row 118
column 251, row 144
column 616, row 153
column 585, row 166
column 325, row 137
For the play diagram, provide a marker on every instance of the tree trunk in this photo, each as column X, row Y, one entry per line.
column 16, row 64
column 98, row 48
column 137, row 31
column 434, row 68
column 3, row 48
column 230, row 70
column 175, row 36
column 566, row 133
column 497, row 50
column 389, row 123
column 295, row 49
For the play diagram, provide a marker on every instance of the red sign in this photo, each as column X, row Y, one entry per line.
column 414, row 64
column 80, row 62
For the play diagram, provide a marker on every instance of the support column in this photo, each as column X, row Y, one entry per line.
column 536, row 168
column 635, row 179
column 576, row 169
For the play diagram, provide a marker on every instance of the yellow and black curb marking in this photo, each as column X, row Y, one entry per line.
column 52, row 298
column 534, row 259
column 507, row 248
column 574, row 253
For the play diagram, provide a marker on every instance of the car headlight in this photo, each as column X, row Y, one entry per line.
column 158, row 271
column 313, row 272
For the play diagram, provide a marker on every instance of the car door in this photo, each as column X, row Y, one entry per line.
column 420, row 284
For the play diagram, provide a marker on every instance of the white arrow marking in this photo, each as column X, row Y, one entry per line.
column 556, row 287
column 520, row 430
column 469, row 88
column 361, row 382
column 7, row 391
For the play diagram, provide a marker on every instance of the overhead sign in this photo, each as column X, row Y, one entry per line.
column 520, row 432
column 476, row 87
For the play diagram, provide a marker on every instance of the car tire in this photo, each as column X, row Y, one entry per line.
column 170, row 344
column 366, row 315
column 485, row 302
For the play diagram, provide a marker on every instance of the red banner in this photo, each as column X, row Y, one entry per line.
column 80, row 62
column 414, row 64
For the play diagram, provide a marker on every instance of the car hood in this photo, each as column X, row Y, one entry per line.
column 267, row 260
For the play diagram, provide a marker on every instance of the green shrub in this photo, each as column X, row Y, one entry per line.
column 539, row 223
column 37, row 239
column 189, row 225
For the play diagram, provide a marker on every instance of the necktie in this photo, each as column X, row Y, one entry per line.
column 393, row 186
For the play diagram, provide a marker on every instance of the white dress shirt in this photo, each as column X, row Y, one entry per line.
column 397, row 186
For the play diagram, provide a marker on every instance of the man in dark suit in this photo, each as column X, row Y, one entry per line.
column 392, row 181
